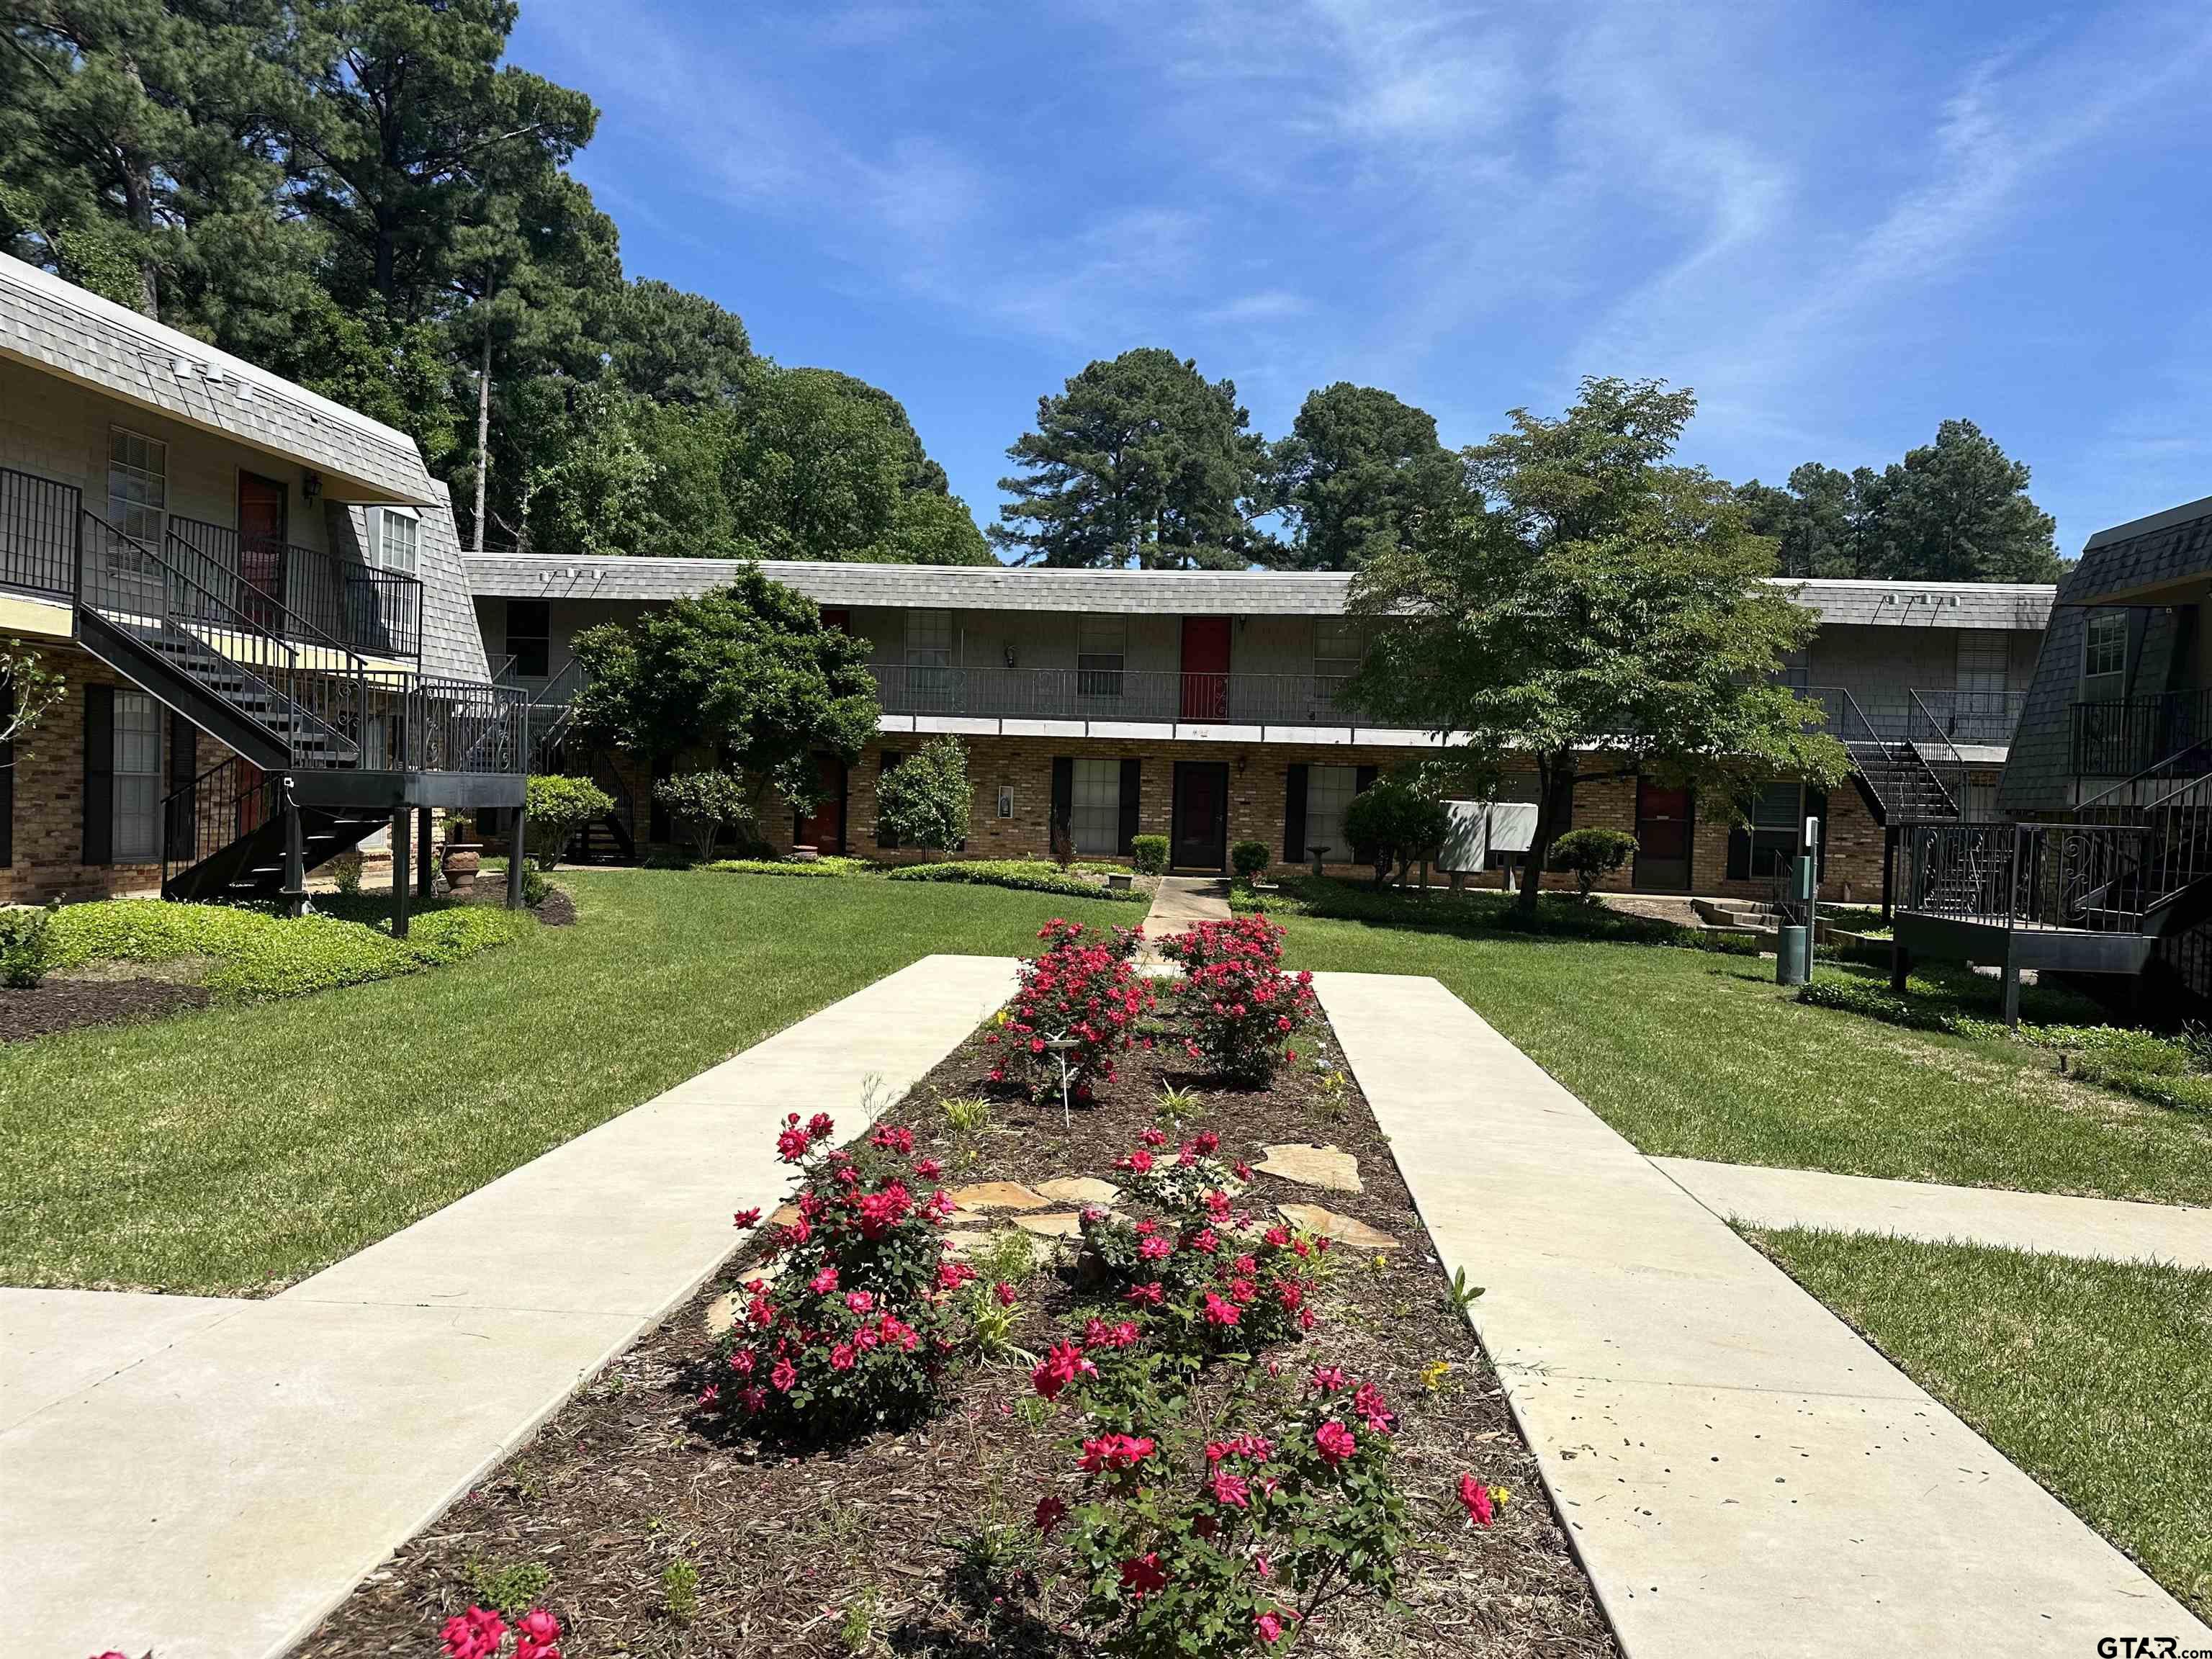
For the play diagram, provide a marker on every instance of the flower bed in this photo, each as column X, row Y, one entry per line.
column 1199, row 1422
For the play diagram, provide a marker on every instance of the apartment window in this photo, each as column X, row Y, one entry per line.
column 399, row 537
column 1329, row 790
column 1337, row 651
column 1777, row 824
column 137, row 749
column 2104, row 648
column 1984, row 659
column 1102, row 645
column 1095, row 814
column 929, row 654
column 1797, row 669
column 530, row 638
column 137, row 485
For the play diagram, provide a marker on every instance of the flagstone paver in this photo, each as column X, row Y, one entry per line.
column 2051, row 1223
column 1060, row 1225
column 997, row 1196
column 1344, row 1228
column 213, row 1500
column 1309, row 1165
column 1079, row 1189
column 1736, row 1464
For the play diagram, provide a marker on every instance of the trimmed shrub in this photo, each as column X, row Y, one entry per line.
column 924, row 800
column 560, row 806
column 1148, row 854
column 1025, row 875
column 706, row 804
column 811, row 867
column 1592, row 852
column 1392, row 822
column 1080, row 987
column 1250, row 859
column 853, row 1334
column 1243, row 1013
column 25, row 945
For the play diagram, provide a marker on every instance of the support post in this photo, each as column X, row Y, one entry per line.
column 2011, row 985
column 1900, row 964
column 295, row 857
column 515, row 842
column 402, row 844
column 426, row 862
column 1888, row 868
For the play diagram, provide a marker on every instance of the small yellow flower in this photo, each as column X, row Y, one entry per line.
column 1381, row 1264
column 1433, row 1374
column 1498, row 1495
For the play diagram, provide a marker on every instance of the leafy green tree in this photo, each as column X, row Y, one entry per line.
column 556, row 807
column 1356, row 470
column 674, row 347
column 1139, row 460
column 706, row 804
column 1592, row 852
column 1954, row 510
column 745, row 676
column 1397, row 820
column 924, row 800
column 1597, row 598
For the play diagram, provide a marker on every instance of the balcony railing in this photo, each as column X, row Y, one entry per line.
column 38, row 533
column 1099, row 694
column 2169, row 733
column 1972, row 717
column 379, row 611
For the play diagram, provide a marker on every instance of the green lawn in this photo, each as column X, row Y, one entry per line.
column 2094, row 1376
column 239, row 1148
column 1693, row 1054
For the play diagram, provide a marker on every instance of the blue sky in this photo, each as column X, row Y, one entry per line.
column 1840, row 223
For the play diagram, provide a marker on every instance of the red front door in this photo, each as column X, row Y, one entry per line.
column 1205, row 668
column 825, row 830
column 261, row 537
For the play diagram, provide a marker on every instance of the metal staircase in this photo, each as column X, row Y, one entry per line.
column 1892, row 773
column 235, row 813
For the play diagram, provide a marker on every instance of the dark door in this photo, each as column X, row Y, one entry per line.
column 261, row 532
column 1665, row 819
column 1205, row 668
column 825, row 830
column 1200, row 839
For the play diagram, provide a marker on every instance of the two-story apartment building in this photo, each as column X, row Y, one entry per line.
column 255, row 602
column 1205, row 707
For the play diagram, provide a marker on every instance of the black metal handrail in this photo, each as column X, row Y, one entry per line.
column 356, row 605
column 1150, row 695
column 1928, row 739
column 39, row 530
column 1972, row 717
column 231, row 798
column 2135, row 735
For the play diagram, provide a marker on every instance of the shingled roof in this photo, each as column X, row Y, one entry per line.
column 1177, row 593
column 51, row 324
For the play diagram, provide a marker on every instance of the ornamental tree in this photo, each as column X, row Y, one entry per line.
column 1397, row 821
column 748, row 674
column 924, row 800
column 705, row 803
column 1594, row 598
column 556, row 807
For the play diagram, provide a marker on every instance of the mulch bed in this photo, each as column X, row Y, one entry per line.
column 623, row 1481
column 63, row 1005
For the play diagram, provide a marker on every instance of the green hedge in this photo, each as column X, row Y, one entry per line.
column 1025, row 876
column 252, row 955
column 817, row 867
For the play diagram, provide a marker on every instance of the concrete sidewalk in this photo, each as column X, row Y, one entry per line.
column 1739, row 1471
column 2112, row 1228
column 207, row 1479
column 1179, row 904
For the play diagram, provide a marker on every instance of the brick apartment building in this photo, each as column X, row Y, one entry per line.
column 1204, row 707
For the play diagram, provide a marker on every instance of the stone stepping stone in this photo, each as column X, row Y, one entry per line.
column 1313, row 1165
column 997, row 1196
column 962, row 1245
column 1079, row 1189
column 1061, row 1224
column 1341, row 1228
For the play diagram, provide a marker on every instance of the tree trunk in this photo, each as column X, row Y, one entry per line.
column 483, row 432
column 1550, row 769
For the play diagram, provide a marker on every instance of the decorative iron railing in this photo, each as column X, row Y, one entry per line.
column 230, row 800
column 378, row 611
column 1096, row 694
column 38, row 533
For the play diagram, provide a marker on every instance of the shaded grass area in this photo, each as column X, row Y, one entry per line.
column 238, row 1148
column 1692, row 1055
column 2094, row 1376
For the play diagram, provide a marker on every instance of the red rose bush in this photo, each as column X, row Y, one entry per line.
column 1081, row 987
column 853, row 1333
column 1242, row 1010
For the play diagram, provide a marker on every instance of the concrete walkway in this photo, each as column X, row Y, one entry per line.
column 1183, row 902
column 207, row 1479
column 2058, row 1225
column 1738, row 1469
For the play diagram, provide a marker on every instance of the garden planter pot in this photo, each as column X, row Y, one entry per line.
column 460, row 863
column 1119, row 884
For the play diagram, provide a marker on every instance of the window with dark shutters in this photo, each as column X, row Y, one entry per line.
column 1294, row 815
column 98, row 775
column 1063, row 798
column 180, row 832
column 1133, row 789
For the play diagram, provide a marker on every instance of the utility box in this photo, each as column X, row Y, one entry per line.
column 1793, row 945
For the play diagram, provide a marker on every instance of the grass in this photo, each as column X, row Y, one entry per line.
column 238, row 1148
column 1693, row 1055
column 2092, row 1375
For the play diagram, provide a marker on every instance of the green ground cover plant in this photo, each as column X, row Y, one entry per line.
column 2008, row 1340
column 1021, row 874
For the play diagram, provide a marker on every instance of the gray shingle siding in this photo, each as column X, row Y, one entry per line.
column 452, row 647
column 2166, row 547
column 1194, row 592
column 50, row 323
